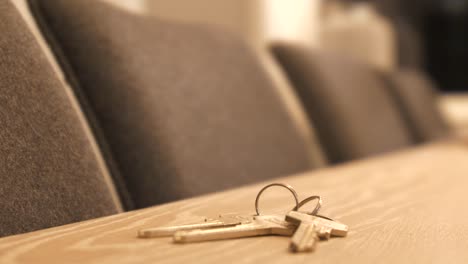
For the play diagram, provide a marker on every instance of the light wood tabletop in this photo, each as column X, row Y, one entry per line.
column 406, row 207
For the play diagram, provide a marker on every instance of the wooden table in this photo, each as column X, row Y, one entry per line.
column 408, row 207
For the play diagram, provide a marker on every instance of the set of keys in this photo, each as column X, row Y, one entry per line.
column 306, row 229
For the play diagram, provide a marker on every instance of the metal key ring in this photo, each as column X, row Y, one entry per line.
column 308, row 199
column 287, row 186
column 324, row 217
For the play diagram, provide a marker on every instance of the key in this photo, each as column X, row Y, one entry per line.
column 221, row 221
column 311, row 228
column 325, row 227
column 305, row 238
column 257, row 226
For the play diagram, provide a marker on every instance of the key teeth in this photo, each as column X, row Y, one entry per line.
column 179, row 237
column 324, row 234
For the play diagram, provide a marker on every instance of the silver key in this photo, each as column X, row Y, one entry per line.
column 220, row 222
column 257, row 226
column 305, row 238
column 324, row 227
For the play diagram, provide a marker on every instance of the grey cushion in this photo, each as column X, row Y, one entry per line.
column 186, row 109
column 417, row 97
column 353, row 112
column 49, row 171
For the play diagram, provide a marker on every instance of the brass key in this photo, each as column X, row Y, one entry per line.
column 305, row 238
column 305, row 229
column 257, row 226
column 221, row 221
column 311, row 228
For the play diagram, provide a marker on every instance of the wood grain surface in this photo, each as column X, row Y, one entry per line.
column 407, row 207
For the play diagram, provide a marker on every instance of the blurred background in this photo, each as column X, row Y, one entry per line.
column 431, row 35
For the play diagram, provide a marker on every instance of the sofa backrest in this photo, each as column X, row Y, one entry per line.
column 51, row 171
column 417, row 97
column 186, row 109
column 354, row 113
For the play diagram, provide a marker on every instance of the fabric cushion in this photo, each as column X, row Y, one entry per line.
column 49, row 171
column 417, row 97
column 125, row 199
column 186, row 109
column 354, row 114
